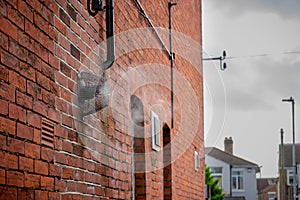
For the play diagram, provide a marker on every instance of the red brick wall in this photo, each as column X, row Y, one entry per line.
column 47, row 151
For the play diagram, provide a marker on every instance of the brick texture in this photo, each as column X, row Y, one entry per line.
column 44, row 46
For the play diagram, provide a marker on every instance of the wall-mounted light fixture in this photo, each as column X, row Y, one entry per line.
column 223, row 65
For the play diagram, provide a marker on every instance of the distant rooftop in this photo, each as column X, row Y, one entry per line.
column 229, row 158
column 288, row 154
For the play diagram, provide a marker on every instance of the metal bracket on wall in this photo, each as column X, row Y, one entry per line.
column 223, row 66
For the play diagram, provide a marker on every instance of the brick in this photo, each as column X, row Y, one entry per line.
column 72, row 12
column 75, row 52
column 9, row 60
column 2, row 176
column 24, row 100
column 48, row 71
column 25, row 164
column 24, row 131
column 32, row 150
column 25, row 41
column 15, row 17
column 32, row 181
column 43, row 81
column 17, row 113
column 41, row 22
column 34, row 90
column 25, row 10
column 53, row 34
column 7, row 126
column 34, row 119
column 55, row 170
column 37, row 136
column 66, row 120
column 40, row 107
column 18, row 51
column 3, row 8
column 3, row 41
column 47, row 183
column 3, row 107
column 64, row 17
column 54, row 115
column 40, row 167
column 40, row 51
column 2, row 142
column 15, row 146
column 25, row 194
column 8, row 193
column 41, row 195
column 33, row 60
column 17, row 80
column 47, row 154
column 67, row 173
column 27, row 71
column 3, row 73
column 65, row 69
column 15, row 178
column 48, row 98
column 8, row 28
column 60, row 26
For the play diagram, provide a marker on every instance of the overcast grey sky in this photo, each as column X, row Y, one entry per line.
column 245, row 100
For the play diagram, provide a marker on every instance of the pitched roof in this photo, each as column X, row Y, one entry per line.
column 288, row 160
column 228, row 158
column 265, row 183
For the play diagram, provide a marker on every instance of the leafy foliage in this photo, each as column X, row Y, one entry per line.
column 212, row 183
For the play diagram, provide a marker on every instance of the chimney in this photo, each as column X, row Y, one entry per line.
column 228, row 145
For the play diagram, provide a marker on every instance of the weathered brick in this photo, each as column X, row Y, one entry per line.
column 2, row 176
column 3, row 41
column 32, row 181
column 9, row 60
column 41, row 167
column 8, row 193
column 71, row 11
column 15, row 17
column 34, row 90
column 75, row 52
column 25, row 10
column 27, row 70
column 17, row 80
column 3, row 107
column 25, row 194
column 17, row 112
column 8, row 28
column 24, row 131
column 25, row 164
column 7, row 126
column 47, row 154
column 47, row 183
column 34, row 119
column 64, row 17
column 41, row 195
column 24, row 100
column 60, row 26
column 14, row 178
column 15, row 145
column 32, row 150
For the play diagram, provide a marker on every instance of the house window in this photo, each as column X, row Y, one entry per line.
column 271, row 195
column 237, row 180
column 289, row 176
column 216, row 172
column 155, row 129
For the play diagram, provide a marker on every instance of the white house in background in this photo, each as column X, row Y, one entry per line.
column 237, row 176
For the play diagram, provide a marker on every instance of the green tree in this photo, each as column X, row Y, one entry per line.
column 216, row 193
